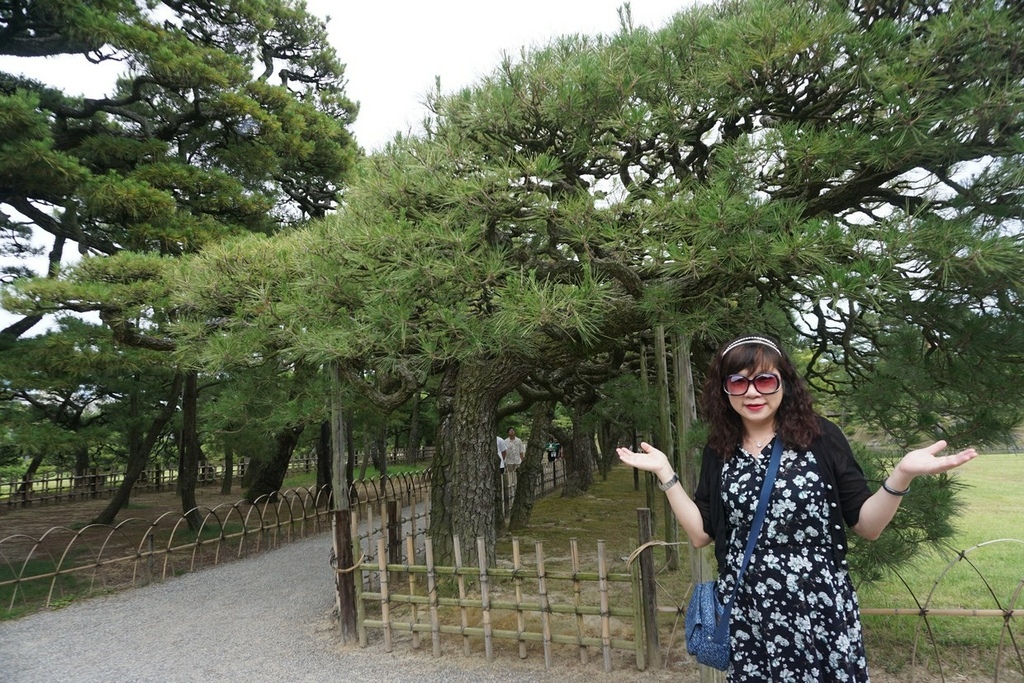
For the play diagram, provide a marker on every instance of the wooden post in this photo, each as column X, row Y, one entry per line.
column 394, row 532
column 667, row 444
column 648, row 588
column 410, row 559
column 577, row 594
column 485, row 598
column 342, row 519
column 385, row 593
column 602, row 587
column 435, row 624
column 357, row 582
column 461, row 580
column 518, row 581
column 545, row 606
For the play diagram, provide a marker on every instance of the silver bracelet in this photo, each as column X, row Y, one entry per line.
column 670, row 483
column 893, row 492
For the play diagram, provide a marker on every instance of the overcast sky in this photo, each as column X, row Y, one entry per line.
column 394, row 50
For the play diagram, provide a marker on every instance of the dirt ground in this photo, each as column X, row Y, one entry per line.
column 35, row 520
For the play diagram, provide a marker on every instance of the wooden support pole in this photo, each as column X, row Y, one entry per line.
column 410, row 559
column 385, row 605
column 577, row 595
column 461, row 580
column 602, row 587
column 517, row 565
column 435, row 624
column 545, row 605
column 485, row 598
column 648, row 587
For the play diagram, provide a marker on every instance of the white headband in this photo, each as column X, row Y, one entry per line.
column 751, row 340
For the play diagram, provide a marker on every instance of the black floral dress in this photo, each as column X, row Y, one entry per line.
column 796, row 617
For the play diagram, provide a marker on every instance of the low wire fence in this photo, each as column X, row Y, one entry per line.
column 629, row 615
column 64, row 564
column 54, row 488
column 544, row 600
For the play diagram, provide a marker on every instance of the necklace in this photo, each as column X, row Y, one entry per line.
column 760, row 444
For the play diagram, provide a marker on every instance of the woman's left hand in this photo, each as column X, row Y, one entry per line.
column 925, row 461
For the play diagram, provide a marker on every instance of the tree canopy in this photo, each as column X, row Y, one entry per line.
column 843, row 175
column 227, row 118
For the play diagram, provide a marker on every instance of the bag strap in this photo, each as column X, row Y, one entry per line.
column 755, row 531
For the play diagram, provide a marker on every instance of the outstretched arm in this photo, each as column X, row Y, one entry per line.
column 878, row 510
column 650, row 459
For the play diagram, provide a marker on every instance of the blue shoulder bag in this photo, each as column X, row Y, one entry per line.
column 707, row 620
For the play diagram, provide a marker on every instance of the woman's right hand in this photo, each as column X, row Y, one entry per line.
column 649, row 459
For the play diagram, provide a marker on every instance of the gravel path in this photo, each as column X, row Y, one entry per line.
column 267, row 618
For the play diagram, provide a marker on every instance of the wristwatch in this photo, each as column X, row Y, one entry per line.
column 670, row 483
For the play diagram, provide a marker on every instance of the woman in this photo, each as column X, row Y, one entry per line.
column 796, row 616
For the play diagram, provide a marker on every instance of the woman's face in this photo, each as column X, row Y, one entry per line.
column 758, row 410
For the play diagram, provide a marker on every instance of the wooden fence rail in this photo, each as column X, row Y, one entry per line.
column 407, row 599
column 62, row 487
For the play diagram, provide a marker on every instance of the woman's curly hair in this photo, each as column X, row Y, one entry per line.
column 796, row 422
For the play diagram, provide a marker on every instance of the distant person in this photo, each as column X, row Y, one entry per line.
column 514, row 450
column 796, row 616
column 501, row 453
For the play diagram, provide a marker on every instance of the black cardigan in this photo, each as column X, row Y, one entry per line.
column 841, row 474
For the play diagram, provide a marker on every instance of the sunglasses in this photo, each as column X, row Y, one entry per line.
column 764, row 383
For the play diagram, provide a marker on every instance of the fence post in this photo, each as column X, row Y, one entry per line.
column 394, row 526
column 648, row 588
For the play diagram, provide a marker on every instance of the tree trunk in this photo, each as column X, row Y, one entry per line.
column 579, row 457
column 139, row 449
column 533, row 464
column 380, row 450
column 466, row 458
column 609, row 436
column 26, row 479
column 364, row 460
column 229, row 468
column 413, row 450
column 188, row 450
column 81, row 462
column 268, row 475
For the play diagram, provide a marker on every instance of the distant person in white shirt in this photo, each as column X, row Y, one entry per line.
column 502, row 448
column 514, row 450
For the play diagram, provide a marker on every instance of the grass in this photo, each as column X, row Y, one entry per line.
column 307, row 479
column 27, row 596
column 988, row 578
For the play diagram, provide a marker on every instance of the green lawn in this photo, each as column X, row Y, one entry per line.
column 990, row 576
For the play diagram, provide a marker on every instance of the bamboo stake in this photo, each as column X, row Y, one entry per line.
column 385, row 609
column 357, row 554
column 462, row 594
column 435, row 631
column 369, row 524
column 606, row 633
column 577, row 597
column 518, row 582
column 545, row 607
column 410, row 559
column 485, row 598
